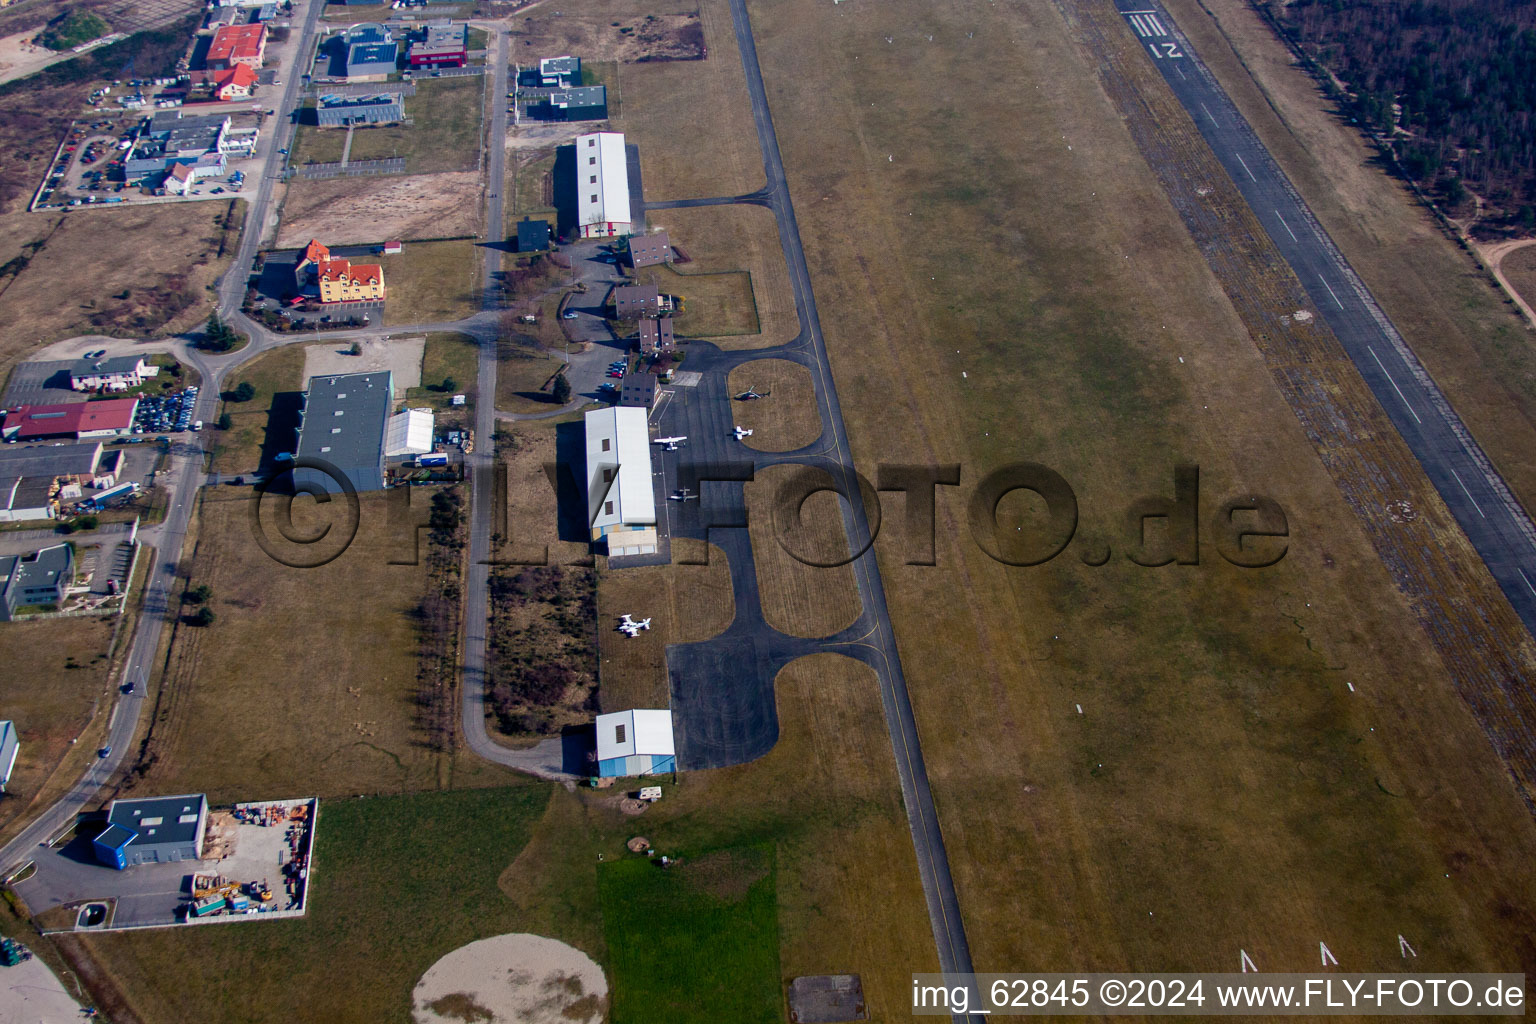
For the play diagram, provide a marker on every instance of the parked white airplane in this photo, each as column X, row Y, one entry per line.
column 679, row 439
column 682, row 495
column 632, row 627
column 742, row 432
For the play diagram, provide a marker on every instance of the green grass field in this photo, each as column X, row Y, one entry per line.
column 239, row 448
column 399, row 882
column 431, row 282
column 444, row 133
column 694, row 942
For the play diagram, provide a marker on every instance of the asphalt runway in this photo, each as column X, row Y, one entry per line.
column 1498, row 527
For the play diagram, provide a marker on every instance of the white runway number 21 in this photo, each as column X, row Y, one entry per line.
column 1162, row 50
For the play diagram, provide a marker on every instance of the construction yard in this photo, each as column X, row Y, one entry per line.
column 369, row 210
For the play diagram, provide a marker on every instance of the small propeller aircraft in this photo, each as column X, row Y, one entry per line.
column 632, row 627
column 669, row 444
column 742, row 432
column 752, row 394
column 682, row 494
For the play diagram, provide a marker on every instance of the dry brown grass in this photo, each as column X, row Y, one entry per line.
column 849, row 897
column 785, row 420
column 624, row 37
column 56, row 691
column 127, row 271
column 685, row 603
column 804, row 593
column 1449, row 310
column 1519, row 268
column 306, row 683
column 702, row 102
column 725, row 238
column 355, row 211
column 1221, row 774
column 238, row 449
column 432, row 282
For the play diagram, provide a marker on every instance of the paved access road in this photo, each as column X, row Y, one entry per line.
column 1498, row 527
column 933, row 862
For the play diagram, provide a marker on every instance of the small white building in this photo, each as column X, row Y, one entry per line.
column 635, row 743
column 621, row 500
column 602, row 185
column 119, row 373
column 9, row 746
column 409, row 432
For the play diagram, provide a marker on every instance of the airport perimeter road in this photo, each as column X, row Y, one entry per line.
column 1498, row 527
column 932, row 860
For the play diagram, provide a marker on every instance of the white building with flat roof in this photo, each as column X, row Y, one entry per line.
column 409, row 432
column 635, row 742
column 602, row 185
column 621, row 500
column 9, row 745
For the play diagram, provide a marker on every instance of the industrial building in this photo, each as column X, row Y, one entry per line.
column 583, row 103
column 41, row 578
column 10, row 746
column 602, row 185
column 441, row 46
column 153, row 830
column 621, row 501
column 635, row 743
column 118, row 373
column 633, row 301
column 26, row 498
column 80, row 420
column 532, row 235
column 344, row 423
column 409, row 433
column 171, row 136
column 371, row 61
column 555, row 73
column 234, row 44
column 649, row 250
column 656, row 337
column 52, row 460
column 341, row 111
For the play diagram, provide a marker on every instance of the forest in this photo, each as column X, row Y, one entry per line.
column 1450, row 85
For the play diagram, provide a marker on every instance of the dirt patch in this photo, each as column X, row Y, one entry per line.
column 637, row 39
column 726, row 874
column 523, row 978
column 353, row 211
column 401, row 356
column 1519, row 268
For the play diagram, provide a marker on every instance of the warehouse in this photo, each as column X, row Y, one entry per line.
column 409, row 433
column 237, row 44
column 40, row 579
column 371, row 62
column 153, row 830
column 584, row 103
column 621, row 500
column 602, row 185
column 50, row 460
column 441, row 46
column 10, row 745
column 343, row 424
column 340, row 111
column 79, row 420
column 635, row 743
column 26, row 498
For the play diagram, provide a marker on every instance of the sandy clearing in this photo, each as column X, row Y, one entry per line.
column 402, row 356
column 512, row 979
column 30, row 993
column 354, row 211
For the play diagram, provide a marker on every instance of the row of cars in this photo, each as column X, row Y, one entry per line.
column 167, row 412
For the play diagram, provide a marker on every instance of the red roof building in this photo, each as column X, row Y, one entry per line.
column 238, row 44
column 235, row 84
column 72, row 419
column 344, row 281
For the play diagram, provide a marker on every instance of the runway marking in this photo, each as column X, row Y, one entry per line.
column 1209, row 114
column 1287, row 228
column 1336, row 301
column 1394, row 384
column 1468, row 494
column 1244, row 163
column 1527, row 581
column 1181, row 72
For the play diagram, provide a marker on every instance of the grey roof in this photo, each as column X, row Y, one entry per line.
column 560, row 65
column 49, row 460
column 169, row 120
column 638, row 389
column 532, row 235
column 372, row 32
column 140, row 816
column 51, row 567
column 32, row 492
column 113, row 364
column 345, row 416
column 339, row 110
column 581, row 97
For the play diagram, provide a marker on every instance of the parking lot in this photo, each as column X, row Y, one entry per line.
column 158, row 414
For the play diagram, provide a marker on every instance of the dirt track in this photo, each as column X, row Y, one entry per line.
column 351, row 211
column 632, row 40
